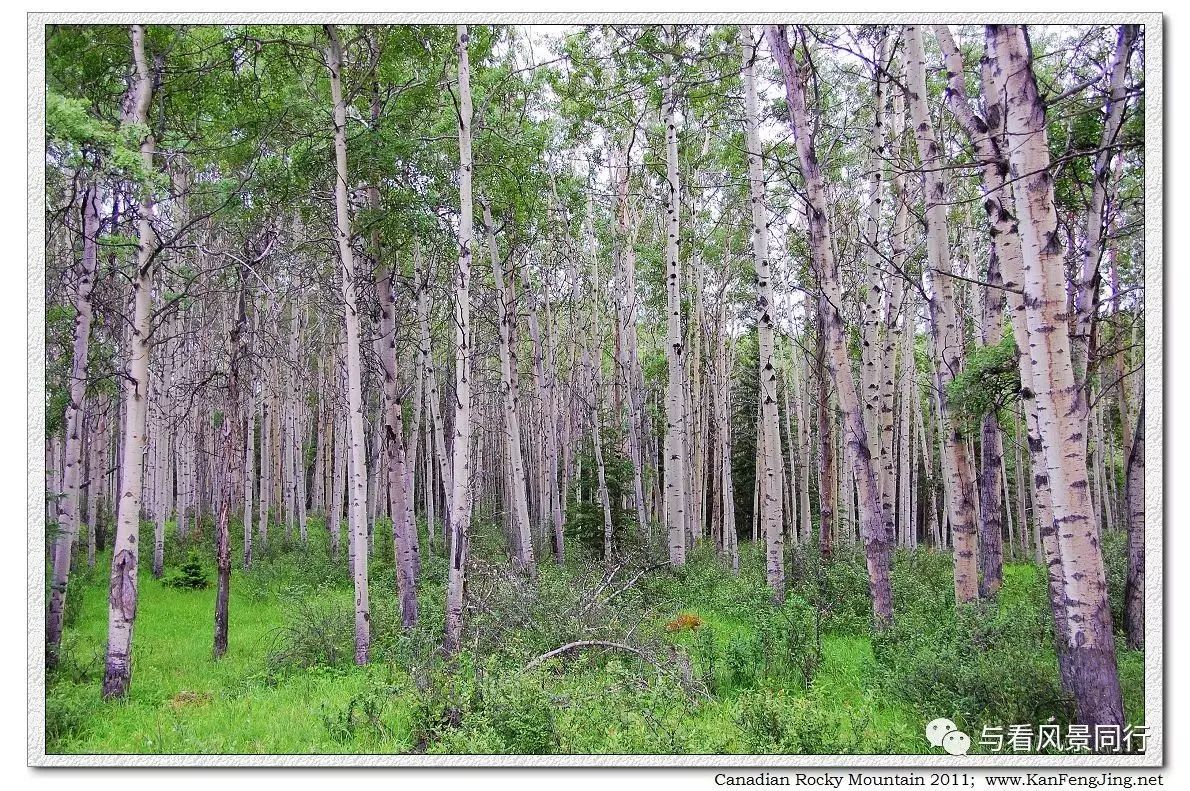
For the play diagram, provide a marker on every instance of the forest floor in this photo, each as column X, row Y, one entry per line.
column 719, row 669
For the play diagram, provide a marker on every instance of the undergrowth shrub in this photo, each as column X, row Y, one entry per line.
column 514, row 616
column 521, row 714
column 75, row 665
column 984, row 663
column 190, row 575
column 363, row 715
column 778, row 722
column 1114, row 544
column 317, row 633
column 445, row 693
column 288, row 574
column 81, row 578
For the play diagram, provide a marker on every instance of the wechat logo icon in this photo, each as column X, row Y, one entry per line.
column 945, row 734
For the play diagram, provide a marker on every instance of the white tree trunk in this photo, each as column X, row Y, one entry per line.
column 1061, row 422
column 355, row 409
column 460, row 499
column 771, row 469
column 69, row 510
column 122, row 598
column 945, row 328
column 675, row 411
column 876, row 522
column 511, row 396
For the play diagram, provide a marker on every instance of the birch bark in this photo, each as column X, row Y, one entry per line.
column 460, row 499
column 355, row 408
column 1089, row 638
column 770, row 506
column 946, row 332
column 875, row 529
column 69, row 511
column 122, row 597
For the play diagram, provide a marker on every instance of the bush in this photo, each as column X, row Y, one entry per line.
column 987, row 663
column 81, row 578
column 363, row 714
column 839, row 590
column 446, row 693
column 285, row 573
column 190, row 575
column 1114, row 544
column 522, row 716
column 319, row 633
column 793, row 724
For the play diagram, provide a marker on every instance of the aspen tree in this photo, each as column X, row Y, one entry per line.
column 675, row 412
column 1089, row 639
column 875, row 529
column 1134, row 592
column 69, row 509
column 1091, row 253
column 357, row 463
column 461, row 470
column 122, row 599
column 228, row 454
column 945, row 330
column 770, row 504
column 510, row 397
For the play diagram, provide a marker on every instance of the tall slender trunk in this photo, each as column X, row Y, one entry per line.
column 338, row 485
column 460, row 499
column 770, row 505
column 544, row 384
column 1095, row 242
column 723, row 434
column 1134, row 590
column 1061, row 422
column 69, row 511
column 355, row 407
column 510, row 387
column 228, row 454
column 801, row 398
column 96, row 475
column 991, row 504
column 945, row 327
column 875, row 520
column 266, row 451
column 399, row 493
column 122, row 598
column 875, row 357
column 827, row 468
column 626, row 230
column 675, row 412
column 249, row 469
column 161, row 461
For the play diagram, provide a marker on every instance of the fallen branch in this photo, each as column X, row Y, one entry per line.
column 632, row 581
column 580, row 644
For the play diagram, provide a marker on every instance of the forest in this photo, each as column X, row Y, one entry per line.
column 607, row 389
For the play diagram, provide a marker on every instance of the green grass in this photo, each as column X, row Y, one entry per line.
column 757, row 685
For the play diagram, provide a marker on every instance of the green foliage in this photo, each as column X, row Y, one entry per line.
column 189, row 575
column 584, row 508
column 521, row 715
column 988, row 663
column 808, row 677
column 318, row 633
column 1114, row 544
column 989, row 381
column 793, row 724
column 70, row 713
